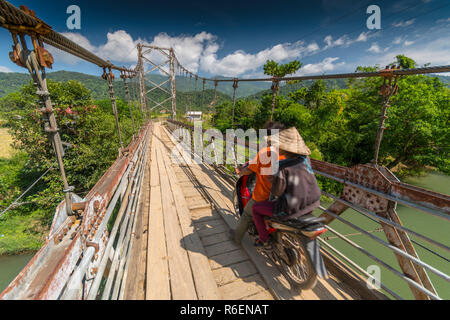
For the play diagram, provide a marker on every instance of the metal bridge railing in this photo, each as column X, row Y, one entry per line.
column 374, row 192
column 80, row 248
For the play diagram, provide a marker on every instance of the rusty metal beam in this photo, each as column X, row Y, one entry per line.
column 47, row 272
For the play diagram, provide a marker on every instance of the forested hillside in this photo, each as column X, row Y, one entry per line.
column 285, row 89
column 11, row 82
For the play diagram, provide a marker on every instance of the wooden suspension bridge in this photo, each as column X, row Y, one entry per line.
column 170, row 221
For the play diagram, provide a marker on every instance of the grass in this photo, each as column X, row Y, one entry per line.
column 21, row 234
column 6, row 151
column 22, row 230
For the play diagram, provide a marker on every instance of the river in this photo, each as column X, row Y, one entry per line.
column 10, row 267
column 426, row 224
column 421, row 222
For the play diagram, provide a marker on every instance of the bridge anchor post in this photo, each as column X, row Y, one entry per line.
column 35, row 63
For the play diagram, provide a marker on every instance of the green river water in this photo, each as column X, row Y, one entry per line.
column 426, row 224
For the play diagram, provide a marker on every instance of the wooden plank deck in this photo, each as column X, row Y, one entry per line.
column 188, row 254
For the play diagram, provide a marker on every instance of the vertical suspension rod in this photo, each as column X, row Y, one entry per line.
column 235, row 86
column 127, row 96
column 172, row 84
column 37, row 72
column 109, row 78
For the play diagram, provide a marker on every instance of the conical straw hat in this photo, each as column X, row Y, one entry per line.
column 290, row 140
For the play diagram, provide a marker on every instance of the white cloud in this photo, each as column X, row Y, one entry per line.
column 363, row 36
column 325, row 65
column 312, row 47
column 119, row 47
column 343, row 40
column 201, row 52
column 397, row 40
column 434, row 52
column 241, row 62
column 403, row 41
column 374, row 48
column 188, row 49
column 5, row 69
column 346, row 41
column 403, row 23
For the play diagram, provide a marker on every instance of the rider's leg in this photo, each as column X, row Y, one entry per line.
column 243, row 222
column 261, row 209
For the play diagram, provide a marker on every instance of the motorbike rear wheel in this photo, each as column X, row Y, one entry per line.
column 299, row 269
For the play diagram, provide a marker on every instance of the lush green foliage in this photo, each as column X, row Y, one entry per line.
column 13, row 82
column 340, row 125
column 87, row 126
column 23, row 230
column 275, row 69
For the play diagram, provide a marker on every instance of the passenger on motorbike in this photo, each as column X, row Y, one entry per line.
column 294, row 185
column 262, row 186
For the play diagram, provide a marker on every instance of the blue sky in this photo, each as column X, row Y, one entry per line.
column 235, row 38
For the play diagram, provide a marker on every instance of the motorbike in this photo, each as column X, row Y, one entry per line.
column 295, row 248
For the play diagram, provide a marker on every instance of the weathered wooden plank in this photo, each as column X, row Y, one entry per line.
column 215, row 238
column 193, row 202
column 219, row 248
column 158, row 284
column 275, row 280
column 242, row 288
column 181, row 281
column 190, row 192
column 209, row 224
column 336, row 292
column 205, row 214
column 135, row 285
column 205, row 284
column 263, row 295
column 226, row 259
column 238, row 270
column 211, row 231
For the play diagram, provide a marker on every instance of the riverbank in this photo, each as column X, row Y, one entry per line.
column 6, row 151
column 24, row 229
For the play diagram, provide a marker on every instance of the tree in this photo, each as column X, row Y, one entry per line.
column 276, row 70
column 342, row 124
column 87, row 128
column 404, row 62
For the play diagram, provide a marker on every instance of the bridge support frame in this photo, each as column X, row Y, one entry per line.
column 162, row 60
column 379, row 178
column 33, row 61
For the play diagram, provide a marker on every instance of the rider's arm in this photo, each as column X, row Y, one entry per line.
column 278, row 184
column 243, row 171
column 253, row 166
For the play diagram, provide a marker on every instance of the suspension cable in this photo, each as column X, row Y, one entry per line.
column 127, row 97
column 235, row 86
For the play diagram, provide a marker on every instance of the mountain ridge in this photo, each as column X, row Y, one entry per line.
column 14, row 81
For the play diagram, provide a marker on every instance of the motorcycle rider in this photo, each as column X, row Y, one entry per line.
column 262, row 185
column 294, row 185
